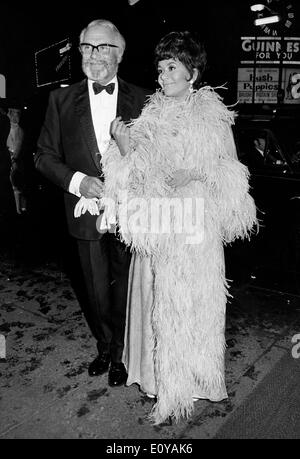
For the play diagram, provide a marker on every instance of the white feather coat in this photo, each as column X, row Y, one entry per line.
column 190, row 289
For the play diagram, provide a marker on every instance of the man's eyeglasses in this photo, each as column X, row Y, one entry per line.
column 87, row 49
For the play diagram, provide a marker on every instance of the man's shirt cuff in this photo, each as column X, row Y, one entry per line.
column 75, row 183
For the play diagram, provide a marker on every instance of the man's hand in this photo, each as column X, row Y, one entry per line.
column 121, row 133
column 91, row 187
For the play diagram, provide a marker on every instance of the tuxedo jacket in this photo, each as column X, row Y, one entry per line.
column 4, row 130
column 67, row 143
column 255, row 159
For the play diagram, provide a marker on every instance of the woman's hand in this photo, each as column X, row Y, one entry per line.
column 121, row 133
column 180, row 178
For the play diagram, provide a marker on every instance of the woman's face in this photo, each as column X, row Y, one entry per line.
column 174, row 78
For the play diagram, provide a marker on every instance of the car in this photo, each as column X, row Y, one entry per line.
column 270, row 147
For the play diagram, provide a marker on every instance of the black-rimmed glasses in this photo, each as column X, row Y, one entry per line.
column 87, row 49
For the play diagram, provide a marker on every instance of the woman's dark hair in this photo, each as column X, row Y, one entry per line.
column 185, row 47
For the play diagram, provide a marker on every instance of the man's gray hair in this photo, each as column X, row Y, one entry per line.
column 105, row 23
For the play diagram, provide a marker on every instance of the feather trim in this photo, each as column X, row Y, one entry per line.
column 190, row 288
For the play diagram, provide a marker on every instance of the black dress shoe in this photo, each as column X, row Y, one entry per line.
column 99, row 365
column 117, row 375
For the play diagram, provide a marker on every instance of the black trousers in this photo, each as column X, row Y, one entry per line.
column 105, row 265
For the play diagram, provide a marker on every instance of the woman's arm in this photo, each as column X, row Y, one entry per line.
column 121, row 133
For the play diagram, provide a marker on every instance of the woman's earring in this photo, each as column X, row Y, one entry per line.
column 159, row 86
column 191, row 88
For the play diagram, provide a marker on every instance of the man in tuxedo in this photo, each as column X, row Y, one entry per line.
column 76, row 131
column 256, row 154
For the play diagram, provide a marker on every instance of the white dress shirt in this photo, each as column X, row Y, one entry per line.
column 104, row 111
column 260, row 151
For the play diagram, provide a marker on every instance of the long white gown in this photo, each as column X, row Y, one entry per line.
column 139, row 341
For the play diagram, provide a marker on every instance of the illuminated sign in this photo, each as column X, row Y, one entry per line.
column 292, row 86
column 52, row 64
column 266, row 85
column 270, row 50
column 2, row 86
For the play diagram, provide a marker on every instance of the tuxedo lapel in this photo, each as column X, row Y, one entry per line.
column 125, row 101
column 83, row 110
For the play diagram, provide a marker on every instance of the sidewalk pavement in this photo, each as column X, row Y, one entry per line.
column 46, row 393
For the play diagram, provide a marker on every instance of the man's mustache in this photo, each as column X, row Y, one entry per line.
column 96, row 62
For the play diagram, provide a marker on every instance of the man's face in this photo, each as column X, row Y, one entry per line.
column 99, row 66
column 14, row 115
column 260, row 143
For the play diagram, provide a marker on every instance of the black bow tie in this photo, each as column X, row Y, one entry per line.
column 97, row 87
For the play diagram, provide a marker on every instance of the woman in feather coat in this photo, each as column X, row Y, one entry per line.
column 175, row 188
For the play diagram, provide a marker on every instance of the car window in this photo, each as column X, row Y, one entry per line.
column 258, row 148
column 274, row 152
column 295, row 156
